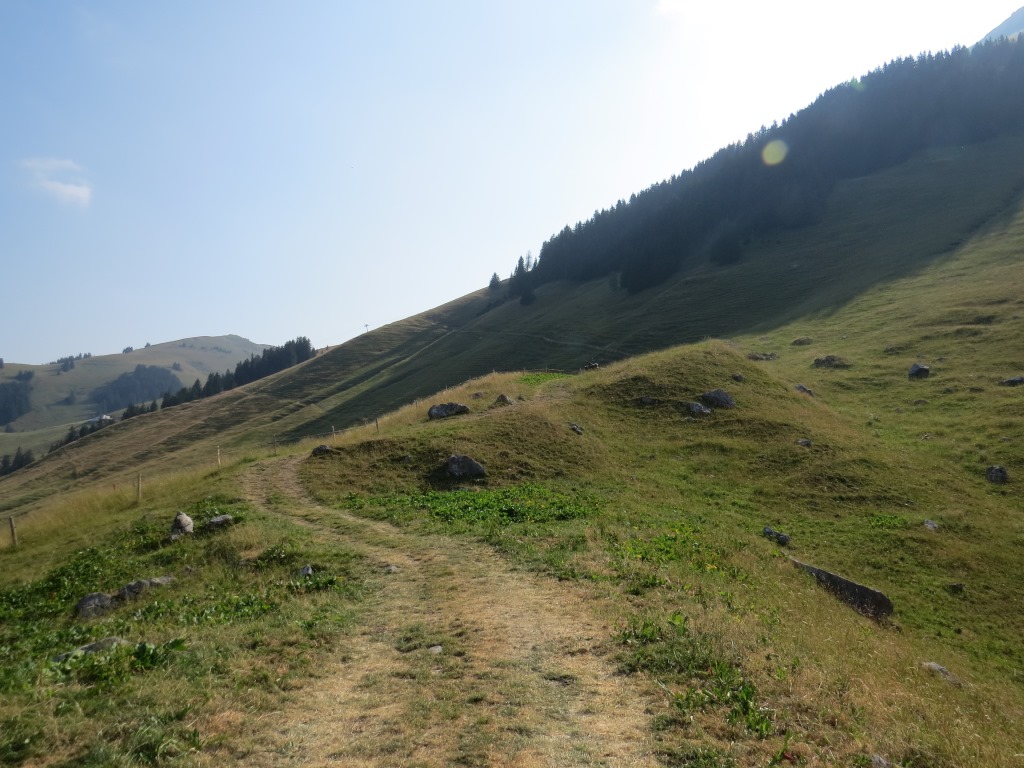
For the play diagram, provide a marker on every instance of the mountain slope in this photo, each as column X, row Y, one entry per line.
column 62, row 398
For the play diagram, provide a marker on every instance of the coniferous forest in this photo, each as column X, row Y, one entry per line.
column 780, row 177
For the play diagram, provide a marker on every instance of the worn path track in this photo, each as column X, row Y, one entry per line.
column 521, row 678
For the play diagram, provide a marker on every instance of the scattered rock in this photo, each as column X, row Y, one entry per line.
column 863, row 599
column 921, row 402
column 877, row 761
column 802, row 341
column 782, row 539
column 521, row 398
column 100, row 645
column 738, row 378
column 956, row 588
column 941, row 671
column 477, row 395
column 997, row 475
column 322, row 450
column 437, row 650
column 949, row 390
column 831, row 361
column 446, row 410
column 698, row 409
column 1016, row 381
column 389, row 568
column 976, row 389
column 931, row 525
column 576, row 428
column 218, row 522
column 805, row 390
column 407, row 459
column 591, row 367
column 718, row 398
column 137, row 587
column 760, row 357
column 804, row 442
column 460, row 466
column 182, row 526
column 305, row 571
column 503, row 400
column 919, row 371
column 94, row 604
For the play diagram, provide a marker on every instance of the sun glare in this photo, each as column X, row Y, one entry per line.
column 774, row 152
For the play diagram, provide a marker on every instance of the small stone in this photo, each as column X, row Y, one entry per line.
column 389, row 568
column 804, row 390
column 804, row 442
column 762, row 356
column 698, row 409
column 218, row 522
column 576, row 428
column 435, row 649
column 503, row 400
column 782, row 539
column 477, row 395
column 931, row 525
column 738, row 378
column 802, row 341
column 831, row 361
column 1016, row 381
column 306, row 571
column 137, row 587
column 877, row 761
column 997, row 475
column 921, row 402
column 591, row 366
column 919, row 371
column 941, row 671
column 100, row 645
column 956, row 588
column 322, row 450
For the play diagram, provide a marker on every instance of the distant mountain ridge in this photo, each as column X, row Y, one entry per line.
column 1011, row 28
column 61, row 392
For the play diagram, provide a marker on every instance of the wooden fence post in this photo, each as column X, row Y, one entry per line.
column 138, row 490
column 14, row 532
column 218, row 457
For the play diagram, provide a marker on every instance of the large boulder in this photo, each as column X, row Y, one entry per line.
column 322, row 450
column 718, row 398
column 463, row 467
column 919, row 371
column 446, row 410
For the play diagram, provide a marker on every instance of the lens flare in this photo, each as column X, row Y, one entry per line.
column 774, row 152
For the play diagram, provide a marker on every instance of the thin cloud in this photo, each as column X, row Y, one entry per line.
column 63, row 180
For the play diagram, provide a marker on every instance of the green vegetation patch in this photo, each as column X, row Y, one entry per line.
column 527, row 503
column 542, row 377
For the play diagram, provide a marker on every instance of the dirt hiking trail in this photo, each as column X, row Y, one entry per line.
column 457, row 660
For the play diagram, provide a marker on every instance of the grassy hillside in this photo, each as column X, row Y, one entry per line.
column 53, row 412
column 604, row 595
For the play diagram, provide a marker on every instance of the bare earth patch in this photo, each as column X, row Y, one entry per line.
column 460, row 660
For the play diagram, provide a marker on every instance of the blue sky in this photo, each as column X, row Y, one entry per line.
column 272, row 169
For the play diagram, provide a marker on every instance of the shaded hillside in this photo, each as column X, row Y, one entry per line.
column 780, row 178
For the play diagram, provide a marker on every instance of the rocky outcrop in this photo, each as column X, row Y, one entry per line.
column 446, row 410
column 863, row 599
column 780, row 538
column 105, row 644
column 831, row 361
column 99, row 603
column 323, row 450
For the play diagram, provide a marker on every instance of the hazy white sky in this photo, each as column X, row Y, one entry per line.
column 275, row 169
